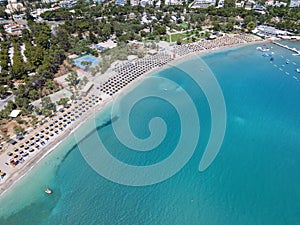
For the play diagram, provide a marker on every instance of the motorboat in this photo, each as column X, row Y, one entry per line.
column 48, row 191
column 262, row 49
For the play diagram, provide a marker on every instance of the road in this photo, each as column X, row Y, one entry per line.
column 4, row 101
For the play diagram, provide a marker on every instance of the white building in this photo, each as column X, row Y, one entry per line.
column 134, row 2
column 279, row 4
column 295, row 3
column 67, row 3
column 120, row 2
column 220, row 4
column 275, row 4
column 13, row 5
column 173, row 2
column 268, row 31
column 204, row 3
column 239, row 4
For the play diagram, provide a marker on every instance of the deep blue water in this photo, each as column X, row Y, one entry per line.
column 253, row 180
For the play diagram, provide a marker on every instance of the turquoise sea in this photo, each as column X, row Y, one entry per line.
column 253, row 180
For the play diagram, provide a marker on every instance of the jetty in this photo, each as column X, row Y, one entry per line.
column 289, row 48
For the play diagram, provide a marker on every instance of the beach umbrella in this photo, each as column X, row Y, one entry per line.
column 2, row 174
column 16, row 149
column 31, row 150
column 9, row 154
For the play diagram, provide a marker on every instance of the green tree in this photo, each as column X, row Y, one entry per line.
column 18, row 129
column 250, row 26
column 63, row 101
column 179, row 41
column 72, row 79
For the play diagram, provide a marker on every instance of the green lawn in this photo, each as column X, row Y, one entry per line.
column 183, row 25
column 175, row 37
column 184, row 37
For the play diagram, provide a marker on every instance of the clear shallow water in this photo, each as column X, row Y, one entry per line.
column 253, row 180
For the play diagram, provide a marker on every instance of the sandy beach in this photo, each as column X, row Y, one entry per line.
column 21, row 170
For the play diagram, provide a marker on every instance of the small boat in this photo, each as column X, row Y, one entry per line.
column 48, row 191
column 271, row 59
column 298, row 70
column 262, row 49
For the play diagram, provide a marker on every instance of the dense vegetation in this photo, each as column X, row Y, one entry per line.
column 84, row 24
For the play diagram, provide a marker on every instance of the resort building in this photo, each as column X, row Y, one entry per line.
column 85, row 90
column 67, row 3
column 120, row 2
column 4, row 21
column 220, row 4
column 143, row 3
column 259, row 9
column 103, row 46
column 275, row 4
column 264, row 31
column 204, row 3
column 54, row 97
column 173, row 2
column 15, row 29
column 134, row 2
column 295, row 4
column 239, row 4
column 14, row 6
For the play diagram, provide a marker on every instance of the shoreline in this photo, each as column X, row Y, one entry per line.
column 20, row 173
